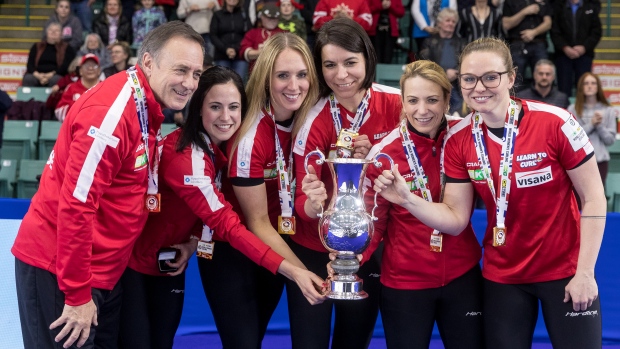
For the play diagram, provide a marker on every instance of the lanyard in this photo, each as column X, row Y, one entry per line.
column 414, row 164
column 284, row 176
column 505, row 164
column 359, row 114
column 207, row 232
column 141, row 111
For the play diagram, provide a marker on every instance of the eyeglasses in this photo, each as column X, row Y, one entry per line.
column 488, row 80
column 90, row 66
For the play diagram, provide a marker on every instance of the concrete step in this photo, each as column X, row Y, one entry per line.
column 32, row 2
column 17, row 43
column 615, row 8
column 21, row 32
column 35, row 10
column 614, row 30
column 20, row 20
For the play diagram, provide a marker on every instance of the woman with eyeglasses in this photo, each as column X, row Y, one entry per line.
column 522, row 158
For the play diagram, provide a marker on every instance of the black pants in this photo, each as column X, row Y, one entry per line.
column 409, row 315
column 241, row 294
column 511, row 311
column 355, row 319
column 151, row 311
column 41, row 302
column 384, row 44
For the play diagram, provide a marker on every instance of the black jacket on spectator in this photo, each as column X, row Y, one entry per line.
column 512, row 7
column 45, row 58
column 584, row 28
column 227, row 31
column 432, row 48
column 5, row 104
column 123, row 33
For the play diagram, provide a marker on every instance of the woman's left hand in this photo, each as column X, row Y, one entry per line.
column 361, row 146
column 582, row 290
column 187, row 249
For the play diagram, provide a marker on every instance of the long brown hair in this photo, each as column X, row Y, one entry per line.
column 580, row 99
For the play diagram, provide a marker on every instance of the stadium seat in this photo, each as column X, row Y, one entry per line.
column 26, row 93
column 47, row 138
column 18, row 140
column 389, row 74
column 612, row 189
column 7, row 177
column 166, row 129
column 27, row 181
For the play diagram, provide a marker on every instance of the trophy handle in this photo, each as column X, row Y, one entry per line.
column 319, row 161
column 378, row 164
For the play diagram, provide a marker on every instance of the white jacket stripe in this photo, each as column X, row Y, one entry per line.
column 205, row 186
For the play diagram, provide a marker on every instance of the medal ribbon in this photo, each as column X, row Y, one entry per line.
column 414, row 164
column 284, row 176
column 141, row 109
column 505, row 164
column 362, row 108
column 207, row 232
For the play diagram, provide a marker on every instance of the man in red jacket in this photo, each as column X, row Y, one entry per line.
column 96, row 190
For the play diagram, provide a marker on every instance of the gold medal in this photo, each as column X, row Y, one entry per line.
column 499, row 236
column 205, row 249
column 153, row 202
column 344, row 144
column 286, row 225
column 436, row 242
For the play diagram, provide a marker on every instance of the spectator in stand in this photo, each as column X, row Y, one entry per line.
column 543, row 90
column 252, row 43
column 93, row 44
column 289, row 21
column 597, row 118
column 5, row 104
column 145, row 20
column 71, row 25
column 526, row 24
column 424, row 13
column 198, row 14
column 57, row 90
column 120, row 54
column 89, row 72
column 444, row 48
column 81, row 9
column 111, row 25
column 169, row 6
column 48, row 59
column 357, row 10
column 228, row 27
column 575, row 32
column 307, row 13
column 480, row 21
column 384, row 31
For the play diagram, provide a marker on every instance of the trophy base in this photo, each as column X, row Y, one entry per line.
column 347, row 287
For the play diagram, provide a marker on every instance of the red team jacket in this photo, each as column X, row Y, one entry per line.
column 360, row 12
column 255, row 157
column 319, row 132
column 90, row 208
column 68, row 98
column 189, row 195
column 542, row 222
column 408, row 263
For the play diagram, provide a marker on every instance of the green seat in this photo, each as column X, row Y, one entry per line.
column 612, row 190
column 47, row 138
column 389, row 74
column 615, row 148
column 18, row 140
column 166, row 129
column 26, row 93
column 27, row 181
column 7, row 177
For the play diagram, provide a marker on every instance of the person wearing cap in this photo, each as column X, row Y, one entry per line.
column 253, row 40
column 289, row 21
column 89, row 72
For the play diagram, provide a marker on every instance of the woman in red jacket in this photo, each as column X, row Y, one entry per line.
column 192, row 211
column 426, row 276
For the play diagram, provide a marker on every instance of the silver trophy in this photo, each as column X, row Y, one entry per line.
column 345, row 227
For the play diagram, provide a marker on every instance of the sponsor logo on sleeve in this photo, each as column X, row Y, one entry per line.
column 197, row 181
column 575, row 133
column 534, row 178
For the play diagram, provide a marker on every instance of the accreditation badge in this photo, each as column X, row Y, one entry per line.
column 436, row 242
column 499, row 236
column 286, row 225
column 205, row 249
column 153, row 202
